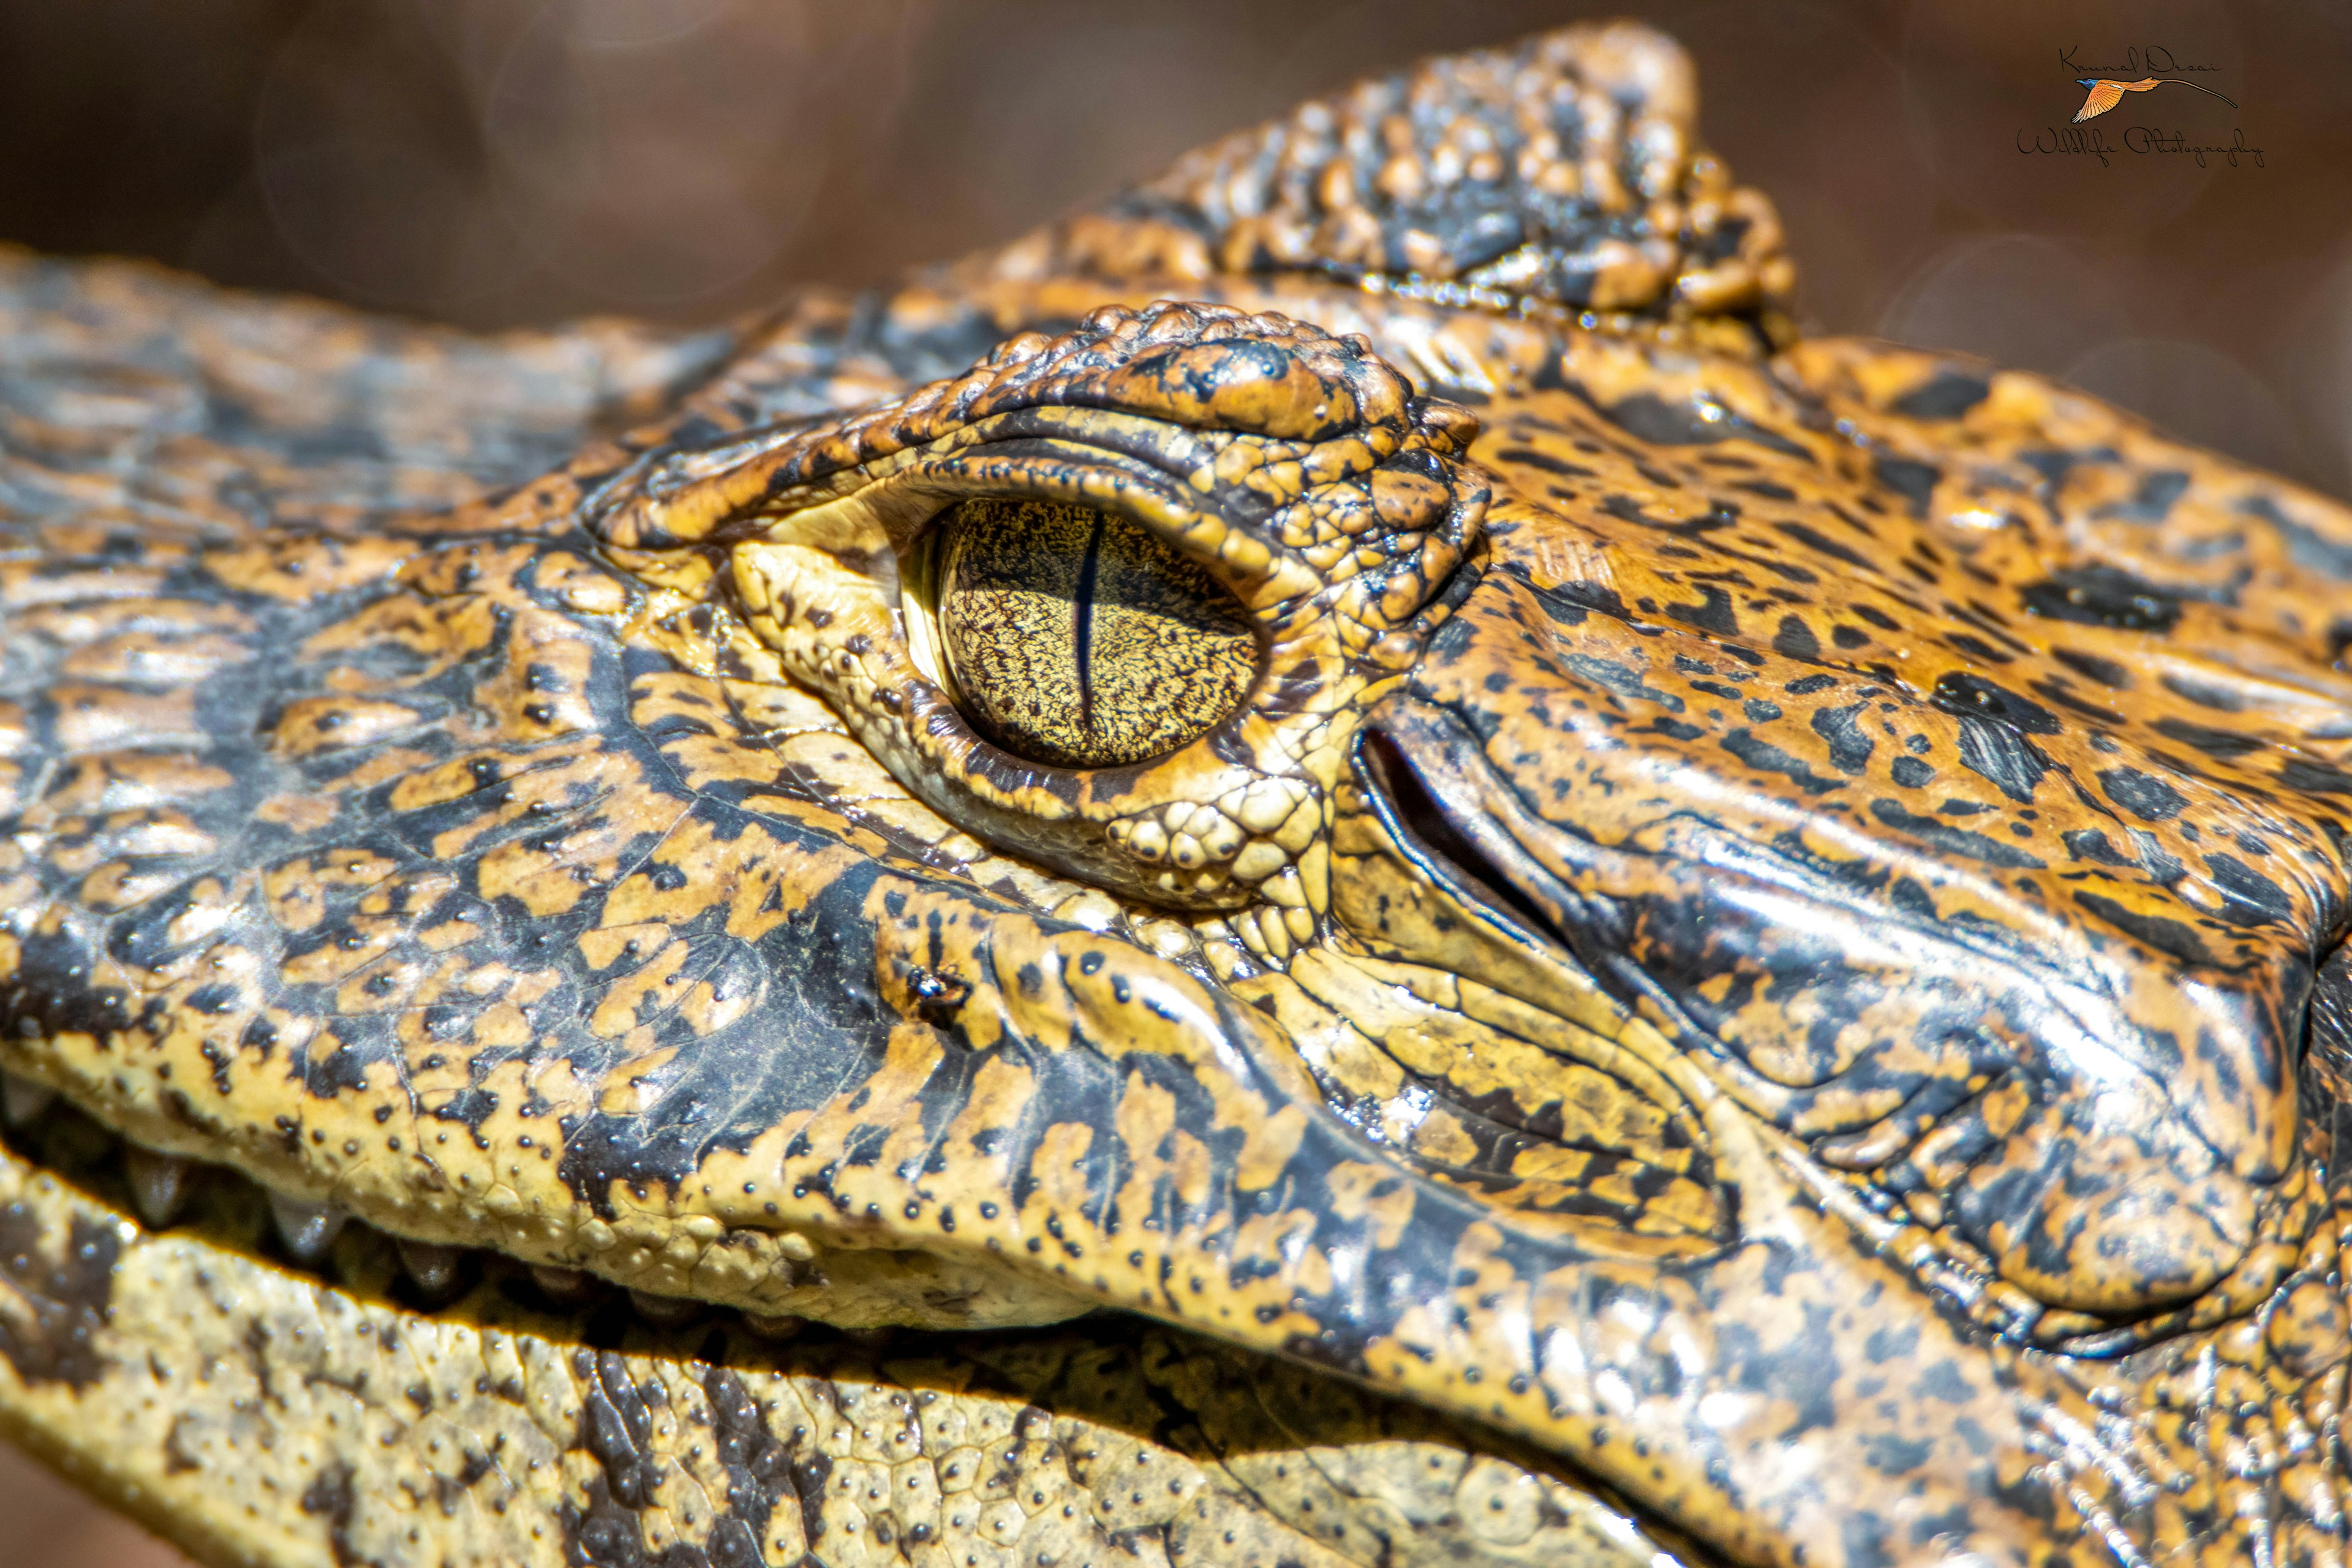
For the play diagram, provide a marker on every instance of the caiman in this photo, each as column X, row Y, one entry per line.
column 1338, row 865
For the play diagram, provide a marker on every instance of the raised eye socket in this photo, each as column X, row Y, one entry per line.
column 1079, row 640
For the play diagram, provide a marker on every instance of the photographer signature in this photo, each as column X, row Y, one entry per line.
column 2105, row 86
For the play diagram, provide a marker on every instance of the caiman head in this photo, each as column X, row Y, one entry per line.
column 1759, row 927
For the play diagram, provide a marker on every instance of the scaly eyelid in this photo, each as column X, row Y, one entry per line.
column 895, row 507
column 731, row 489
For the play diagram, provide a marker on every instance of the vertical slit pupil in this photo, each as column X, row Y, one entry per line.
column 1085, row 626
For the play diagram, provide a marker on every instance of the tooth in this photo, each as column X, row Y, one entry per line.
column 567, row 1287
column 307, row 1227
column 872, row 1339
column 782, row 1326
column 433, row 1266
column 664, row 1311
column 22, row 1099
column 158, row 1185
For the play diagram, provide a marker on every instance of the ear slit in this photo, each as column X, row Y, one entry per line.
column 1414, row 814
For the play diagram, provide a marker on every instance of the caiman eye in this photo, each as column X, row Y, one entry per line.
column 1078, row 639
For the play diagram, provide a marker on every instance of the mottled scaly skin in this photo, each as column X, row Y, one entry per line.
column 1753, row 979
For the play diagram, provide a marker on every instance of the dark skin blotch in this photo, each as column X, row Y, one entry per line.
column 54, row 1340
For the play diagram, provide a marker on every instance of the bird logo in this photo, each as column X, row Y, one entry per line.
column 2106, row 92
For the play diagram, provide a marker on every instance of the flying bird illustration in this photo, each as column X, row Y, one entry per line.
column 2106, row 92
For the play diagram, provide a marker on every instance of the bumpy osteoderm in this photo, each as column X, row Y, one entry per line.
column 1410, row 909
column 1564, row 176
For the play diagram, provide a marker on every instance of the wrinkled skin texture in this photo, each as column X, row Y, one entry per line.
column 1751, row 979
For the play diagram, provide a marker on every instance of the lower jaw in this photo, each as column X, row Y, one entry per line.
column 257, row 1410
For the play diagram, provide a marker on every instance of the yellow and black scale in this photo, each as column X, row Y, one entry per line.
column 1338, row 865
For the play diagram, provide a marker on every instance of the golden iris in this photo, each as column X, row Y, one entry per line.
column 1080, row 640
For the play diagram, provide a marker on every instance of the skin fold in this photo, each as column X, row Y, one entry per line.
column 1344, row 833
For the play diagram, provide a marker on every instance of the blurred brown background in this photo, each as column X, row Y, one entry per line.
column 500, row 162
